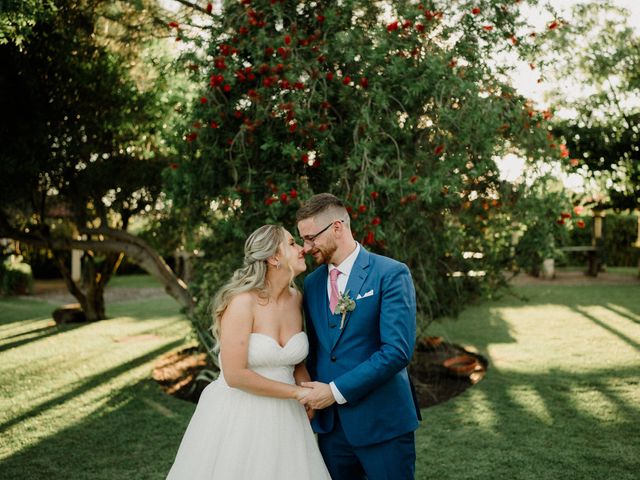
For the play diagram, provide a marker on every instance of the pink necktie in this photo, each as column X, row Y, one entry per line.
column 333, row 282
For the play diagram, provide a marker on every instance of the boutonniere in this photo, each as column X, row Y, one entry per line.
column 345, row 304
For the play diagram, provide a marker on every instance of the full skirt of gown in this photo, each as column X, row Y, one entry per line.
column 236, row 435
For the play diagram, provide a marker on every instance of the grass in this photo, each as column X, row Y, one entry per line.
column 77, row 402
column 561, row 398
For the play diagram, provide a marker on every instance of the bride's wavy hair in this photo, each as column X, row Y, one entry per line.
column 261, row 245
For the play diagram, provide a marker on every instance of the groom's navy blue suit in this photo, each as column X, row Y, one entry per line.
column 366, row 360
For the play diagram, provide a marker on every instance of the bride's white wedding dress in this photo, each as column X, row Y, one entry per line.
column 236, row 435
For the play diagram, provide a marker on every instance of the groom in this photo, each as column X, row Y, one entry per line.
column 367, row 410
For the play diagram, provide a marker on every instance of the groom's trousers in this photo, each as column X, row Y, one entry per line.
column 393, row 459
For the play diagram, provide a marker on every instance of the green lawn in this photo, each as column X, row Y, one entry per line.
column 561, row 398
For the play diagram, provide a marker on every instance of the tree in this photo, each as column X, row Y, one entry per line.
column 399, row 108
column 83, row 149
column 597, row 58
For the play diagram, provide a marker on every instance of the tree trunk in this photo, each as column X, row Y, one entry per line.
column 114, row 242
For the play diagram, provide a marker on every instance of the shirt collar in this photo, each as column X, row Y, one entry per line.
column 347, row 264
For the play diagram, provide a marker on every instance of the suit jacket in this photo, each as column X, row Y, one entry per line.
column 367, row 358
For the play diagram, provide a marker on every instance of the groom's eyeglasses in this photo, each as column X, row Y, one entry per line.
column 310, row 238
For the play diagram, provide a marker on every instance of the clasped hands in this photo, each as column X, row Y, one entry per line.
column 315, row 395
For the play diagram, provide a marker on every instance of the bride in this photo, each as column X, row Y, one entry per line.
column 249, row 423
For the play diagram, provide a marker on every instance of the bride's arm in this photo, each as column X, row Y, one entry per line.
column 235, row 328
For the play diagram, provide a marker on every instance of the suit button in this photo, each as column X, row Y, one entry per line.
column 333, row 358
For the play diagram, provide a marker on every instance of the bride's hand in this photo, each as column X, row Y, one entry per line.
column 310, row 412
column 302, row 392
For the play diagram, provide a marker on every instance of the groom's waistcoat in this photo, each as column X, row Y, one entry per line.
column 367, row 358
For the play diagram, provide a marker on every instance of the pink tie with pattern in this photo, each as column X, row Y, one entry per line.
column 333, row 282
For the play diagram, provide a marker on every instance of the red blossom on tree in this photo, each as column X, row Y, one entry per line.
column 475, row 10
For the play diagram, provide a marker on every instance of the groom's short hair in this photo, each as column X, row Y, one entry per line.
column 324, row 204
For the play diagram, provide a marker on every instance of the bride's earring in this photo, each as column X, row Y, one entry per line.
column 278, row 265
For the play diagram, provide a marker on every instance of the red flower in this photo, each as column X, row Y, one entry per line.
column 374, row 195
column 227, row 88
column 487, row 28
column 237, row 114
column 320, row 18
column 553, row 25
column 364, row 83
column 560, row 222
column 268, row 51
column 243, row 30
column 191, row 137
column 283, row 52
column 293, row 127
column 284, row 198
column 580, row 223
column 413, row 179
column 173, row 25
column 453, row 63
column 375, row 221
column 173, row 166
column 475, row 11
column 270, row 200
column 392, row 26
column 419, row 27
column 287, row 40
column 197, row 125
column 252, row 93
column 214, row 125
column 407, row 24
column 203, row 100
column 565, row 215
column 305, row 158
column 439, row 149
column 209, row 7
column 514, row 40
column 346, row 80
column 330, row 76
column 293, row 193
column 298, row 85
column 322, row 127
column 574, row 162
column 564, row 151
column 370, row 239
column 362, row 208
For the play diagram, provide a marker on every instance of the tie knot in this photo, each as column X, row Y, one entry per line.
column 333, row 274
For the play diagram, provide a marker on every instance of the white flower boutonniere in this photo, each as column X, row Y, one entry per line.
column 345, row 304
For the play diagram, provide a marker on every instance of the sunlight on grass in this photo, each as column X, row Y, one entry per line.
column 59, row 376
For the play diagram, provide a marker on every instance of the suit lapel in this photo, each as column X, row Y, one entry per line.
column 357, row 277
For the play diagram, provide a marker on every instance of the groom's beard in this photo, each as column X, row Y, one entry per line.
column 324, row 254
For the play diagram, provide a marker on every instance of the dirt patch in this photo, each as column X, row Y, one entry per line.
column 55, row 292
column 574, row 277
column 177, row 373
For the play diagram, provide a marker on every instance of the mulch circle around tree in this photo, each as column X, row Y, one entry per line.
column 439, row 371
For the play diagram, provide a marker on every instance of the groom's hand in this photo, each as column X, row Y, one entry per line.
column 319, row 397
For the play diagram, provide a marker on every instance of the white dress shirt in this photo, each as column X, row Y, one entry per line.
column 345, row 270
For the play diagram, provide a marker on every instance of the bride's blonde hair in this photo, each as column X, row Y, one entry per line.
column 261, row 245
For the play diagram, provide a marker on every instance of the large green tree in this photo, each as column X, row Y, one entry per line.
column 83, row 148
column 400, row 108
column 595, row 60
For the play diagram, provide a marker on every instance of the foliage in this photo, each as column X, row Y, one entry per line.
column 15, row 276
column 619, row 234
column 401, row 113
column 600, row 51
column 82, row 138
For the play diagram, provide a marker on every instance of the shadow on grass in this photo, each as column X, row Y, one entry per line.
column 90, row 383
column 608, row 328
column 134, row 436
column 38, row 334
